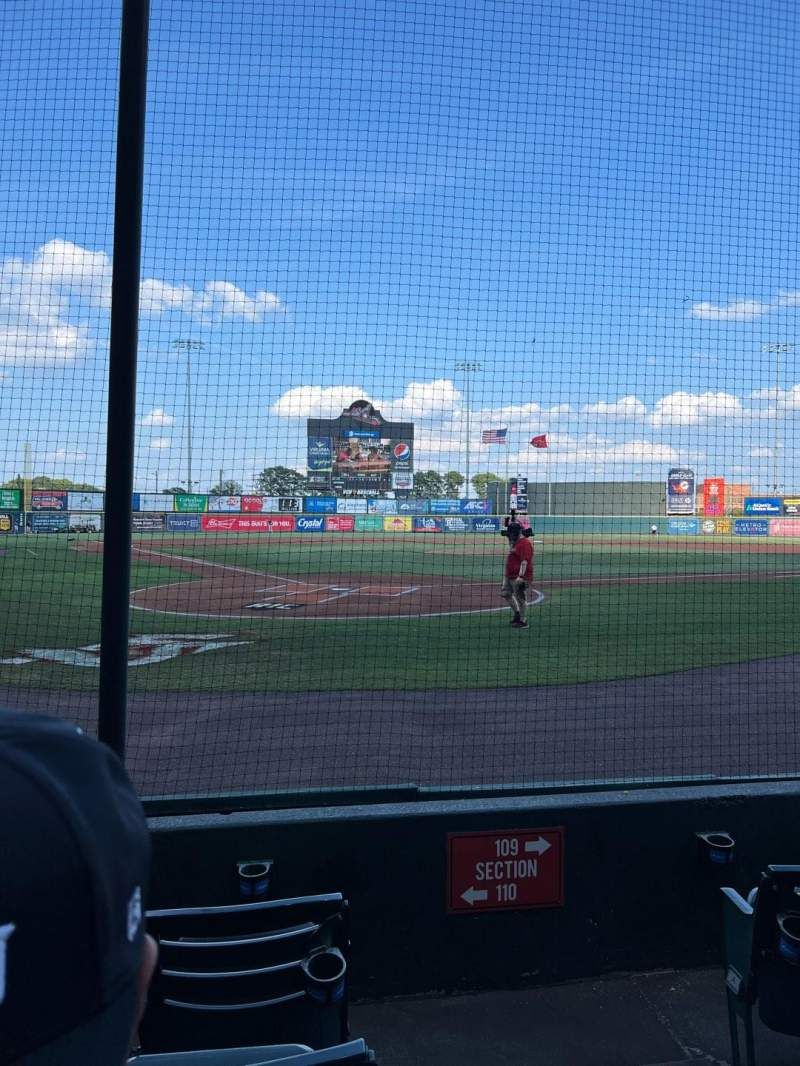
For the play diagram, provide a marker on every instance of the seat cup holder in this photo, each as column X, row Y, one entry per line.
column 254, row 878
column 324, row 971
column 716, row 848
column 789, row 937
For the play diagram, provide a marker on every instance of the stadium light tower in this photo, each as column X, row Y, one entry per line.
column 186, row 344
column 468, row 368
column 778, row 349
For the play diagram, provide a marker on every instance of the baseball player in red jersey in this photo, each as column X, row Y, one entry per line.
column 518, row 571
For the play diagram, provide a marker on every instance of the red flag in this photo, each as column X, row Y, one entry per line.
column 540, row 441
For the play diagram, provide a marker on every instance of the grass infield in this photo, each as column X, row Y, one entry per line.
column 615, row 607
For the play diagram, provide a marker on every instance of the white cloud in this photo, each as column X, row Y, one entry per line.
column 624, row 409
column 424, row 399
column 160, row 444
column 761, row 453
column 61, row 455
column 691, row 409
column 157, row 417
column 317, row 401
column 735, row 311
column 48, row 301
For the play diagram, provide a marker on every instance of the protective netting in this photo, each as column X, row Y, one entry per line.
column 405, row 266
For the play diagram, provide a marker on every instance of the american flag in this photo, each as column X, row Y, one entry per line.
column 494, row 436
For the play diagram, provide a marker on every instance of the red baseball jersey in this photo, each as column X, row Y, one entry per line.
column 523, row 549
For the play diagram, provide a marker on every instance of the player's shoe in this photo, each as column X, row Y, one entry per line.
column 519, row 624
column 515, row 620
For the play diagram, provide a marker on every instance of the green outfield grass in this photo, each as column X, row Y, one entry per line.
column 51, row 599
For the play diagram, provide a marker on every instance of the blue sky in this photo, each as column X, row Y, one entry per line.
column 596, row 201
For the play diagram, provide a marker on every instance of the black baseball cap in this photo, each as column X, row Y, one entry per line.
column 74, row 868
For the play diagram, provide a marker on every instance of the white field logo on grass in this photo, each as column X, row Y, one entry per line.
column 142, row 651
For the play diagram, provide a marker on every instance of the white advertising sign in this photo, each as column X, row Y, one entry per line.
column 155, row 501
column 84, row 501
column 227, row 504
column 348, row 506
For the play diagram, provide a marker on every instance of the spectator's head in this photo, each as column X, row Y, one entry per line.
column 75, row 856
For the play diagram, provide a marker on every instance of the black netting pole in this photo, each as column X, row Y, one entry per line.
column 122, row 374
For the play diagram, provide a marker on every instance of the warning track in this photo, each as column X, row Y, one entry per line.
column 224, row 591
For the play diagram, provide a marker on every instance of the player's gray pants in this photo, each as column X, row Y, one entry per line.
column 512, row 591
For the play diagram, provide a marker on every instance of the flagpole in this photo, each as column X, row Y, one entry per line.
column 508, row 471
column 549, row 483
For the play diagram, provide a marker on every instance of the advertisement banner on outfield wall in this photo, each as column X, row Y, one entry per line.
column 85, row 523
column 369, row 523
column 85, row 501
column 681, row 494
column 183, row 523
column 351, row 506
column 247, row 524
column 475, row 506
column 791, row 506
column 714, row 496
column 9, row 522
column 413, row 506
column 153, row 501
column 307, row 524
column 445, row 506
column 340, row 523
column 715, row 526
column 683, row 526
column 148, row 523
column 427, row 524
column 486, row 525
column 49, row 500
column 253, row 504
column 49, row 523
column 397, row 524
column 763, row 505
column 191, row 502
column 751, row 527
column 457, row 525
column 382, row 506
column 319, row 505
column 10, row 499
column 224, row 504
column 784, row 527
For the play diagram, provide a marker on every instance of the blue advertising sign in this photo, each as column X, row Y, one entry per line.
column 304, row 524
column 427, row 524
column 320, row 453
column 382, row 506
column 49, row 523
column 319, row 504
column 363, row 434
column 445, row 506
column 183, row 523
column 751, row 527
column 413, row 506
column 457, row 525
column 772, row 505
column 486, row 525
column 683, row 526
column 475, row 506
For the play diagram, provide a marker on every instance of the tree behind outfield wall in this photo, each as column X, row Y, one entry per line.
column 226, row 488
column 281, row 481
column 429, row 484
column 481, row 483
column 453, row 483
column 52, row 483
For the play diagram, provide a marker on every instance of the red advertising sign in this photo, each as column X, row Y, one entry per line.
column 340, row 523
column 714, row 496
column 506, row 869
column 252, row 503
column 784, row 527
column 49, row 500
column 266, row 524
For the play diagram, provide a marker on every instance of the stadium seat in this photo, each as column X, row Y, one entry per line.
column 237, row 1056
column 762, row 957
column 353, row 1053
column 249, row 974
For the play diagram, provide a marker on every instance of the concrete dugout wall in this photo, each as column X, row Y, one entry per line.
column 636, row 896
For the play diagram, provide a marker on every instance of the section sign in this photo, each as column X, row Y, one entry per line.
column 505, row 869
